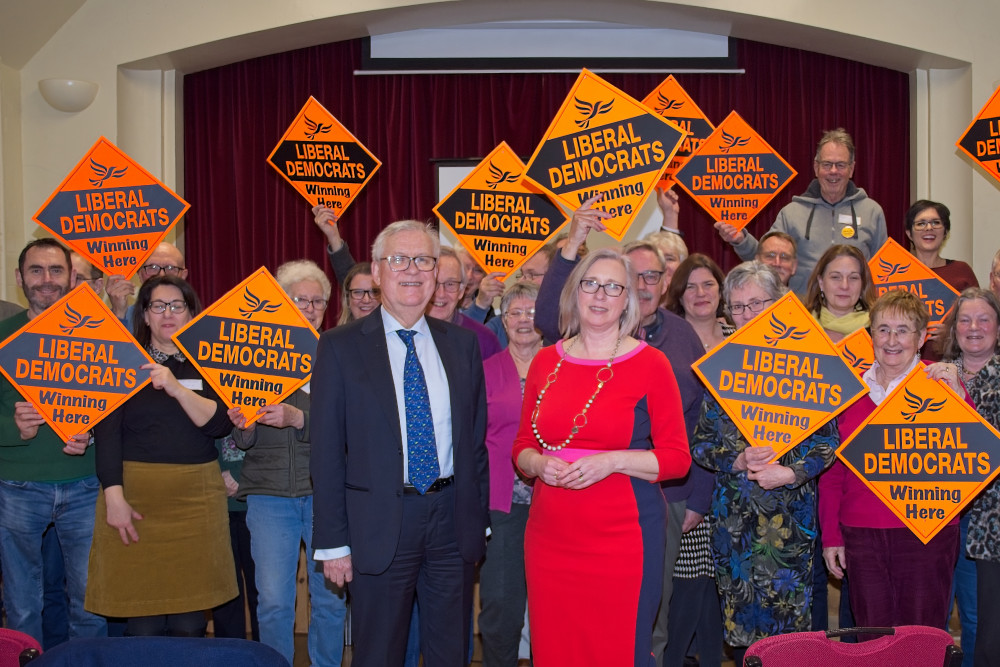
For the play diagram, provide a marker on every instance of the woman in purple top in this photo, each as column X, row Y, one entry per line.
column 502, row 589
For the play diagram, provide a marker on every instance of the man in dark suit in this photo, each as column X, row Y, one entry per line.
column 399, row 464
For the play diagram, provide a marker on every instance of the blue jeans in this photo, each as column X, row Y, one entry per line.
column 55, row 604
column 277, row 527
column 964, row 588
column 26, row 509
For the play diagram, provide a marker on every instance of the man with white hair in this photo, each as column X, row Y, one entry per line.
column 399, row 462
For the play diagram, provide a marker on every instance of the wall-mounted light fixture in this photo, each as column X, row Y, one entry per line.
column 68, row 95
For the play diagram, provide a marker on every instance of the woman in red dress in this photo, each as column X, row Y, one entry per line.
column 602, row 423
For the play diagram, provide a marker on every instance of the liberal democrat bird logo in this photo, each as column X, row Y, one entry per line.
column 665, row 104
column 856, row 362
column 782, row 331
column 731, row 141
column 500, row 176
column 891, row 269
column 591, row 111
column 316, row 128
column 256, row 305
column 920, row 405
column 76, row 321
column 103, row 173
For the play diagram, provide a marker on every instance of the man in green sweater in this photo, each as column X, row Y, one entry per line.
column 43, row 480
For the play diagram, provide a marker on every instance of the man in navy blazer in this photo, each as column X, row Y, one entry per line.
column 371, row 527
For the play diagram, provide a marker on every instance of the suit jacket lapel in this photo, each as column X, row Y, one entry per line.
column 375, row 356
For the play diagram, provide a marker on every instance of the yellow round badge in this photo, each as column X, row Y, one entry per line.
column 847, row 232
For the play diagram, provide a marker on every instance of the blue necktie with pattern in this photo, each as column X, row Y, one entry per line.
column 422, row 460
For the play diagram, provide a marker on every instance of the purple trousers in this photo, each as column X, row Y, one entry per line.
column 898, row 580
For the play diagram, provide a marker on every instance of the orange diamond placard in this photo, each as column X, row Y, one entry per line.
column 75, row 362
column 603, row 141
column 322, row 160
column 499, row 215
column 893, row 267
column 672, row 102
column 735, row 173
column 981, row 140
column 857, row 351
column 925, row 452
column 780, row 377
column 253, row 345
column 111, row 210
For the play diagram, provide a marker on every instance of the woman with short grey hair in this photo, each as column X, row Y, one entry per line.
column 763, row 510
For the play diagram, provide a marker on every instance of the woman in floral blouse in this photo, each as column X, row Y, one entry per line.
column 763, row 514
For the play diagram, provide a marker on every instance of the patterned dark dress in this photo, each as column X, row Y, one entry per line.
column 983, row 541
column 762, row 540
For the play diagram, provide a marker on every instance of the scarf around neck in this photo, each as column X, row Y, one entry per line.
column 847, row 324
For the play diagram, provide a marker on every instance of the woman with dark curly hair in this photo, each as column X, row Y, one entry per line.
column 695, row 293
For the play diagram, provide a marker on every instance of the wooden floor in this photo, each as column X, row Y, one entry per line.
column 302, row 658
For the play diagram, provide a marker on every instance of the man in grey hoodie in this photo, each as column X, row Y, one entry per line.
column 832, row 210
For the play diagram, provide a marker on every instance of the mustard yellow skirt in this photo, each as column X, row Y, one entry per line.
column 183, row 560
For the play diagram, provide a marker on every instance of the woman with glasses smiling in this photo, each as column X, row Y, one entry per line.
column 895, row 578
column 601, row 423
column 278, row 491
column 763, row 511
column 928, row 225
column 502, row 592
column 161, row 552
column 359, row 295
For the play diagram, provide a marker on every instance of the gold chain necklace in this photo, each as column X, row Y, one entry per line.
column 604, row 374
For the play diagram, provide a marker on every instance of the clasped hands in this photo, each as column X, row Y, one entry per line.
column 585, row 471
column 756, row 462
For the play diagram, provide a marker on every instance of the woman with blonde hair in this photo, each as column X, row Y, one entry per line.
column 598, row 429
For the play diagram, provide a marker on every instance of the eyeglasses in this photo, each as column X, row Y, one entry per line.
column 650, row 277
column 754, row 306
column 530, row 275
column 160, row 307
column 771, row 256
column 360, row 294
column 156, row 269
column 402, row 262
column 921, row 225
column 885, row 333
column 304, row 303
column 518, row 314
column 830, row 166
column 611, row 289
column 450, row 286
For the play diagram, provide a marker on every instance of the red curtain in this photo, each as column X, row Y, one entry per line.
column 244, row 215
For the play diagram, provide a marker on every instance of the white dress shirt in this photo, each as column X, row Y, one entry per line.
column 437, row 391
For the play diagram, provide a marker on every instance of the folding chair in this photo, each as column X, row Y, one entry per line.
column 904, row 646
